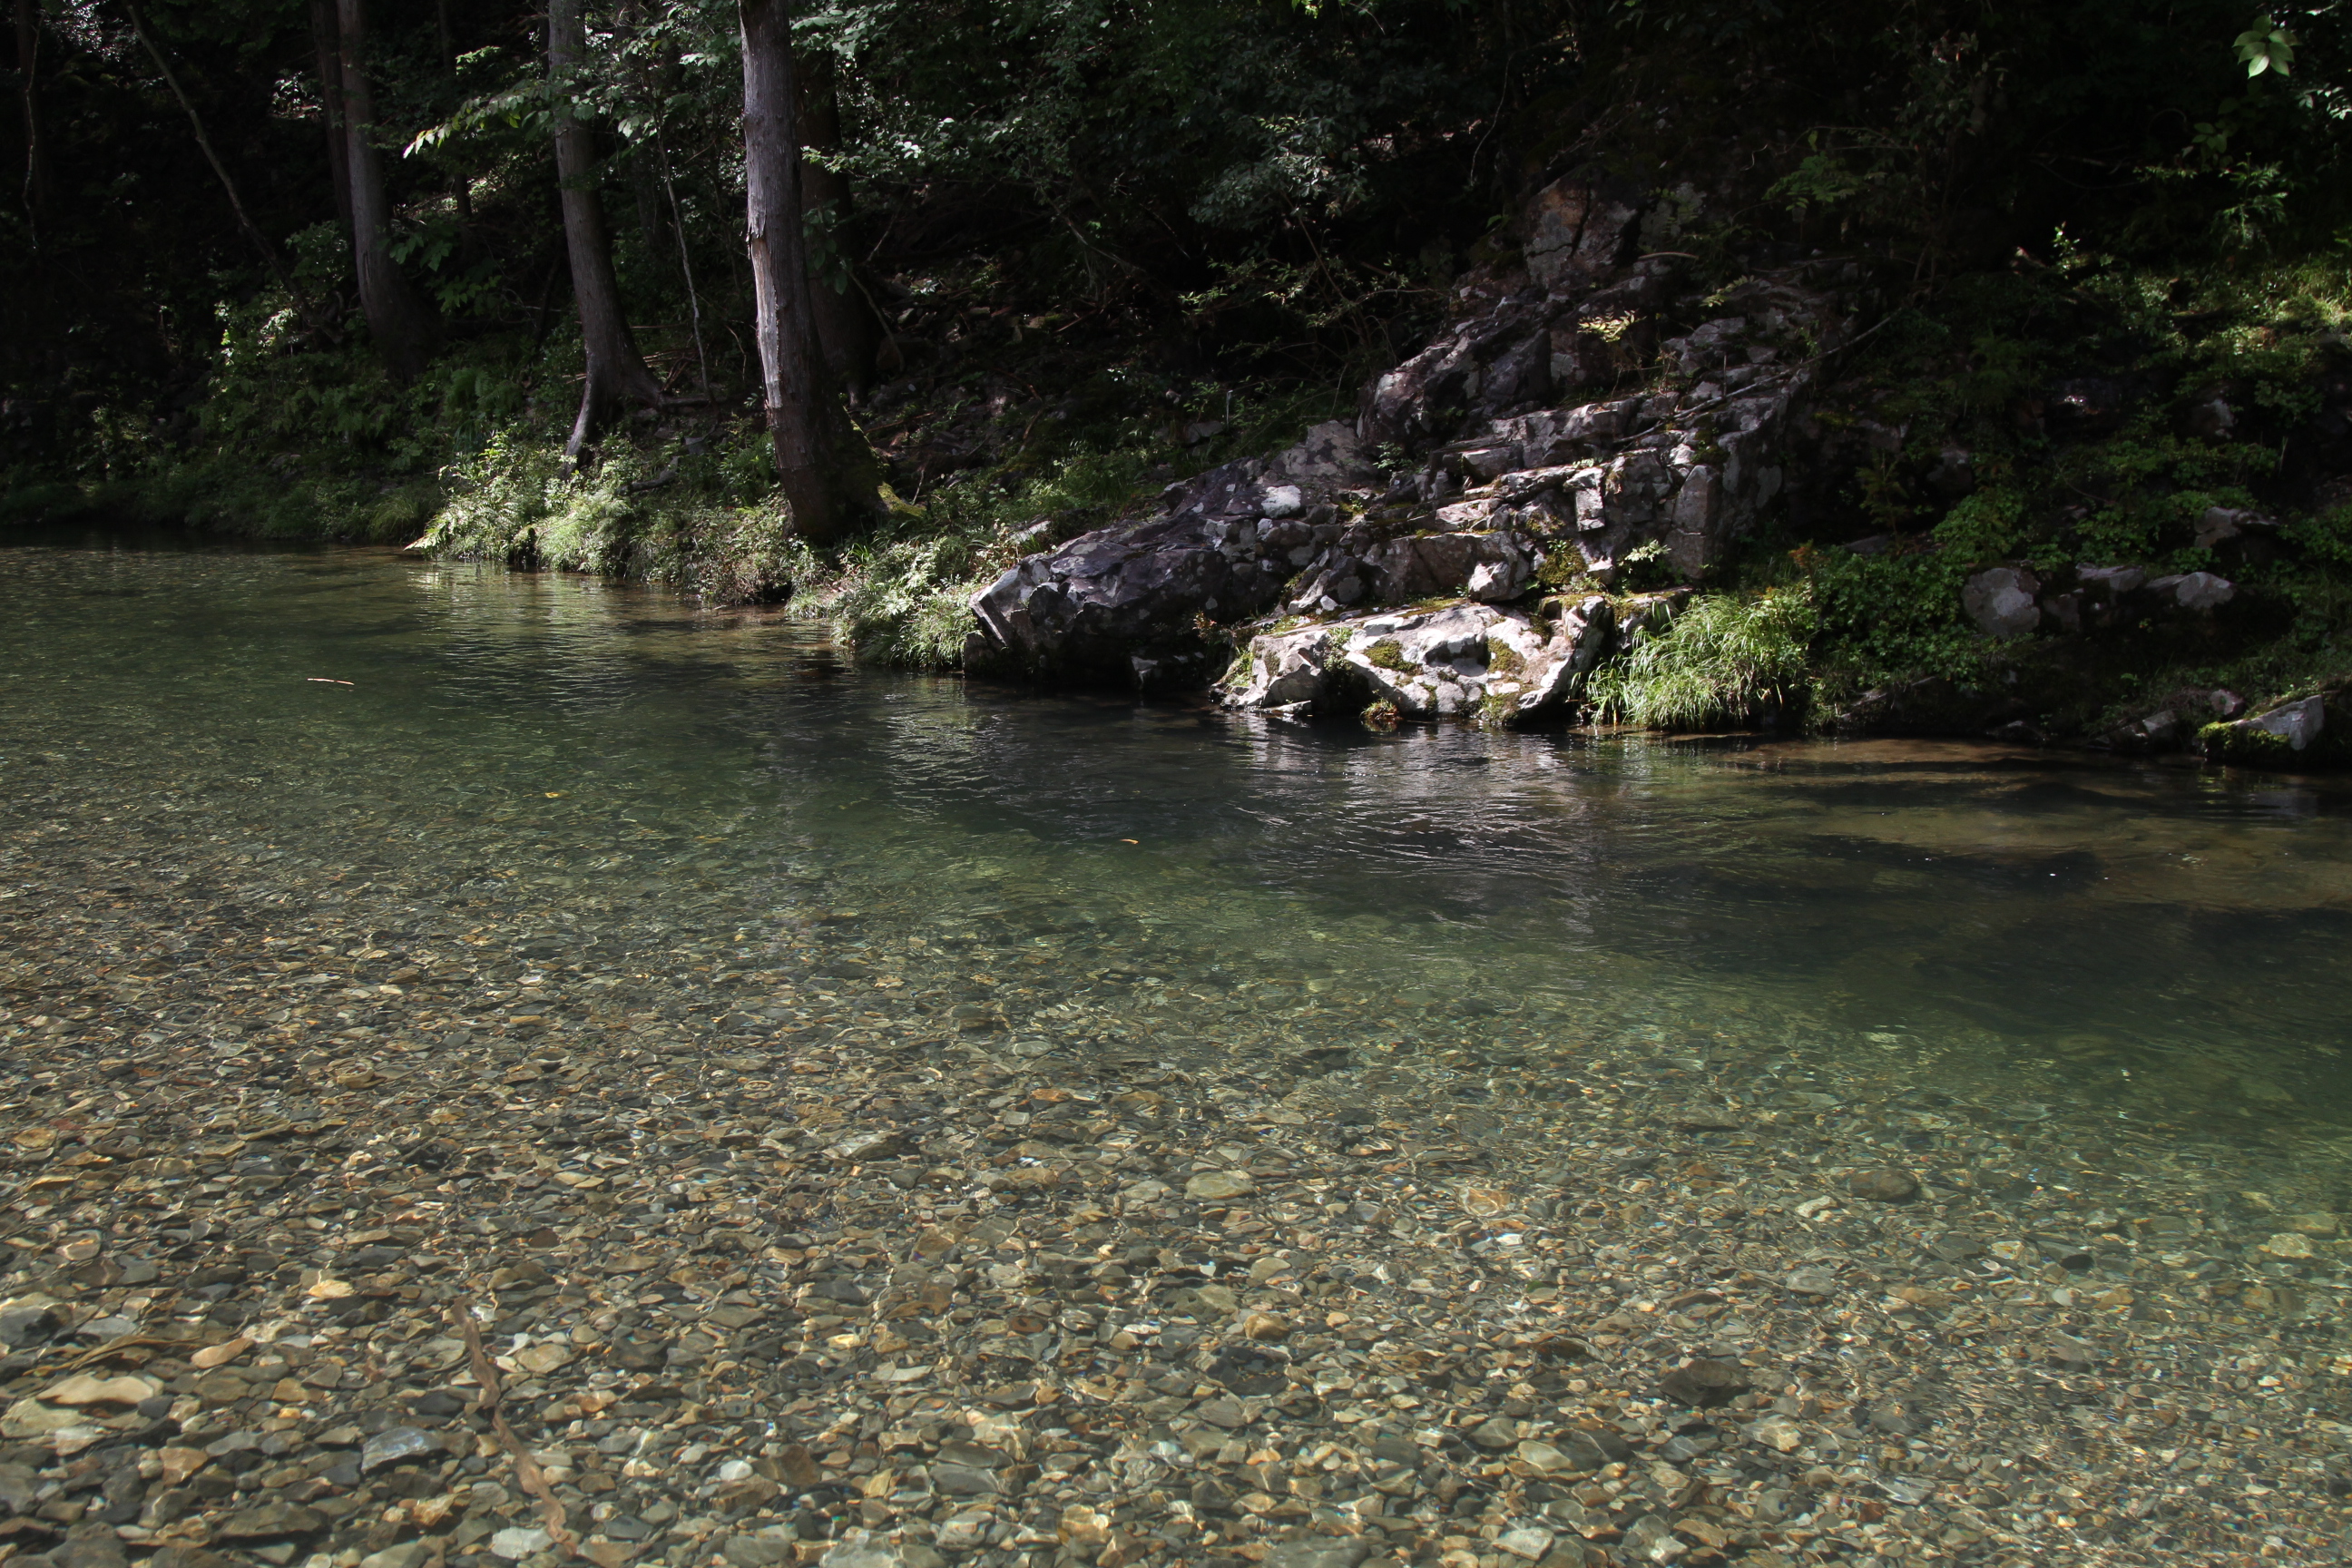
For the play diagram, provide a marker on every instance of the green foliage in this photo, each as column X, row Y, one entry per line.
column 2266, row 45
column 1724, row 659
column 2326, row 538
column 655, row 513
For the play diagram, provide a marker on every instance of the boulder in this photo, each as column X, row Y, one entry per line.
column 2302, row 733
column 2196, row 592
column 2221, row 523
column 1125, row 603
column 2001, row 600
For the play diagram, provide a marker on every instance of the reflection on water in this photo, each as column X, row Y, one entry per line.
column 627, row 777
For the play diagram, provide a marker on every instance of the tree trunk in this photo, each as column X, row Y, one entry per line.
column 403, row 327
column 617, row 371
column 326, row 40
column 37, row 158
column 814, row 461
column 844, row 327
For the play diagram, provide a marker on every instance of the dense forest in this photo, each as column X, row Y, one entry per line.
column 856, row 304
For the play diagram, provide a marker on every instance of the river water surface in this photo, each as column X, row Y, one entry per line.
column 612, row 803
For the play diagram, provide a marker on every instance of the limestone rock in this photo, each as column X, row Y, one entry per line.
column 1465, row 659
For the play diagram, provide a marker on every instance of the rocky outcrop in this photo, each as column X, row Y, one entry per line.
column 1507, row 458
column 1496, row 666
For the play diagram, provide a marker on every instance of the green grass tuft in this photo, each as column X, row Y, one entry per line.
column 1724, row 659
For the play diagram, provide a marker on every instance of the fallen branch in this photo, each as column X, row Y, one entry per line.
column 527, row 1471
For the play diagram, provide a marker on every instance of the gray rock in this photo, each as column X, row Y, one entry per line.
column 1316, row 1553
column 1124, row 604
column 517, row 1541
column 2220, row 523
column 1811, row 1282
column 1705, row 1383
column 269, row 1522
column 1588, row 1450
column 396, row 1444
column 2199, row 592
column 89, row 1548
column 2001, row 601
column 1223, row 1411
column 1885, row 1186
column 1496, row 1434
column 1220, row 1185
column 407, row 1554
column 859, row 1551
column 1530, row 1542
column 2298, row 723
column 758, row 1551
column 963, row 1480
column 1578, row 231
column 24, row 1325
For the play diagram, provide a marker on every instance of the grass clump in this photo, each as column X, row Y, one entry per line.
column 1724, row 659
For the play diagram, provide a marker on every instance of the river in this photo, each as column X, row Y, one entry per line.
column 618, row 801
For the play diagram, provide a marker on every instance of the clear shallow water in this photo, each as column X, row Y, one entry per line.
column 615, row 804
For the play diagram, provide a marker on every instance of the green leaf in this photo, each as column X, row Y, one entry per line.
column 2266, row 45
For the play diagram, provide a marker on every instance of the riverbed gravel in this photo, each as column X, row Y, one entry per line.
column 833, row 1243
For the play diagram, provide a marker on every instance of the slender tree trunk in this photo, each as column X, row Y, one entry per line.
column 326, row 40
column 844, row 327
column 814, row 460
column 37, row 157
column 617, row 371
column 403, row 327
column 220, row 170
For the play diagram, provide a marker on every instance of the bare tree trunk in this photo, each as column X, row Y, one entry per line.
column 814, row 460
column 403, row 327
column 37, row 157
column 326, row 40
column 844, row 327
column 617, row 371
